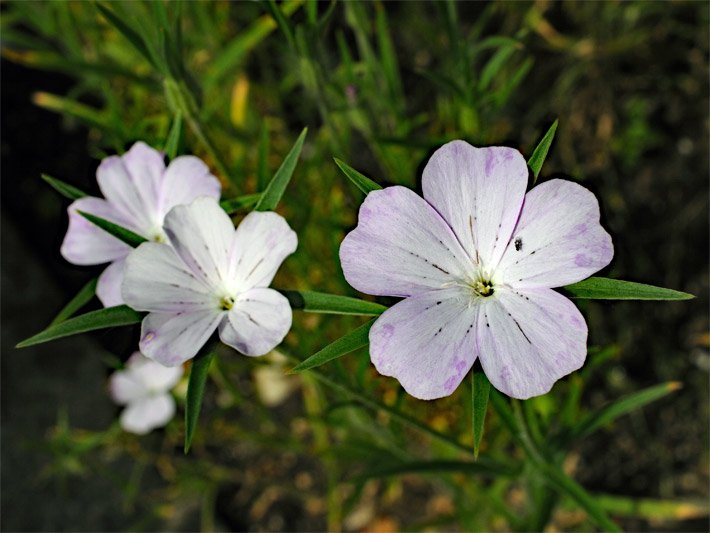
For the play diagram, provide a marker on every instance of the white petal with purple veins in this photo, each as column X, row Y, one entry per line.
column 558, row 239
column 258, row 322
column 529, row 339
column 401, row 246
column 153, row 376
column 261, row 243
column 126, row 386
column 186, row 179
column 427, row 342
column 87, row 244
column 173, row 338
column 146, row 166
column 144, row 415
column 155, row 279
column 479, row 191
column 201, row 234
column 108, row 288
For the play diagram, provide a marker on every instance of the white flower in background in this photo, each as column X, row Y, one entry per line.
column 210, row 276
column 139, row 192
column 144, row 388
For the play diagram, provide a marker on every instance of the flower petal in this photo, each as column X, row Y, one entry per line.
column 401, row 246
column 126, row 387
column 201, row 234
column 132, row 195
column 87, row 244
column 146, row 166
column 427, row 342
column 186, row 179
column 558, row 239
column 155, row 279
column 530, row 339
column 154, row 376
column 261, row 243
column 258, row 322
column 173, row 338
column 149, row 413
column 479, row 192
column 108, row 288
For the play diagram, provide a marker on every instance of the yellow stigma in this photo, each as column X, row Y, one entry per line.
column 226, row 303
column 483, row 287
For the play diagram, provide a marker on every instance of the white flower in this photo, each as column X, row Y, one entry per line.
column 144, row 388
column 210, row 276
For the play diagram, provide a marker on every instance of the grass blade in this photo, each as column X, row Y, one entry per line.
column 360, row 181
column 240, row 202
column 121, row 233
column 66, row 190
column 172, row 144
column 344, row 345
column 480, row 389
column 276, row 187
column 195, row 392
column 121, row 315
column 540, row 153
column 320, row 302
column 83, row 297
column 123, row 28
column 616, row 289
column 624, row 405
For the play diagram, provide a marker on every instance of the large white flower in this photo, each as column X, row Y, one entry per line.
column 476, row 260
column 139, row 191
column 144, row 388
column 210, row 276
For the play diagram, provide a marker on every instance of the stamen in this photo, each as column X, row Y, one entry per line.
column 226, row 303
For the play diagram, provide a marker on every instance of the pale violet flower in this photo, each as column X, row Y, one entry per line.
column 210, row 276
column 139, row 191
column 476, row 260
column 143, row 386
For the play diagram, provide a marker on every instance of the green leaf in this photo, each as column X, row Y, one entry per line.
column 262, row 168
column 480, row 389
column 276, row 187
column 616, row 289
column 344, row 345
column 624, row 405
column 653, row 509
column 283, row 24
column 320, row 302
column 83, row 297
column 125, row 29
column 121, row 233
column 195, row 392
column 172, row 144
column 493, row 66
column 121, row 315
column 240, row 202
column 482, row 466
column 540, row 153
column 66, row 190
column 88, row 115
column 360, row 181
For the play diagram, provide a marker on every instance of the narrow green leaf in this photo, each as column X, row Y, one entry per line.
column 653, row 509
column 320, row 302
column 121, row 233
column 83, row 297
column 283, row 24
column 121, row 315
column 616, row 289
column 624, row 405
column 66, row 190
column 195, row 392
column 88, row 115
column 540, row 153
column 482, row 466
column 388, row 56
column 276, row 187
column 344, row 345
column 360, row 181
column 172, row 144
column 480, row 389
column 123, row 28
column 240, row 202
column 493, row 66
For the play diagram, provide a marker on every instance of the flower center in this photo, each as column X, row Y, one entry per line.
column 483, row 287
column 226, row 303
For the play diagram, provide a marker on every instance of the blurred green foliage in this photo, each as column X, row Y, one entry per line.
column 379, row 86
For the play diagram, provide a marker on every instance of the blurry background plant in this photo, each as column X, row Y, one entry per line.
column 380, row 85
